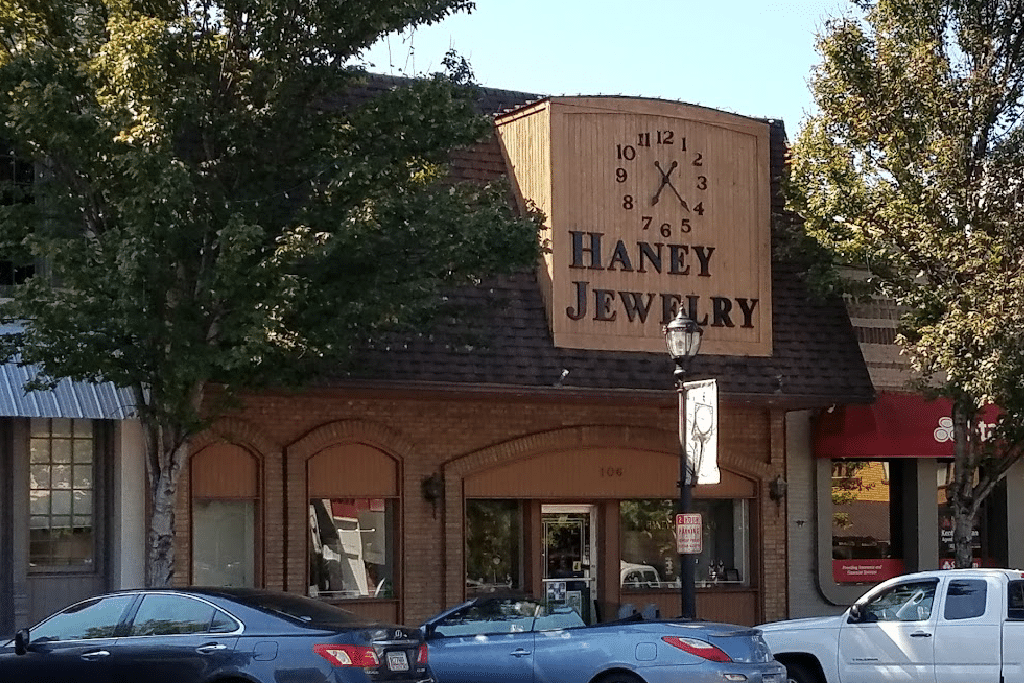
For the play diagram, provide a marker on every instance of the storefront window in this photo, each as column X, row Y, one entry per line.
column 493, row 545
column 352, row 548
column 222, row 542
column 648, row 546
column 863, row 548
column 61, row 494
column 947, row 551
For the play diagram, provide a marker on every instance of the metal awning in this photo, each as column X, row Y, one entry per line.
column 85, row 400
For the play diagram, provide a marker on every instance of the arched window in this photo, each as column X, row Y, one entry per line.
column 225, row 514
column 353, row 523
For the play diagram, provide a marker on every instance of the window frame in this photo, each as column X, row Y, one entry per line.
column 129, row 623
column 869, row 616
column 392, row 539
column 102, row 505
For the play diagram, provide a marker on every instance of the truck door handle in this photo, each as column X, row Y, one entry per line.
column 210, row 648
column 95, row 654
column 920, row 634
column 520, row 652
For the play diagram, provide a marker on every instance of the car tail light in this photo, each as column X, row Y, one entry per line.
column 701, row 648
column 421, row 656
column 347, row 655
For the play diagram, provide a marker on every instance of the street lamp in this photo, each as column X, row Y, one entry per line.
column 682, row 337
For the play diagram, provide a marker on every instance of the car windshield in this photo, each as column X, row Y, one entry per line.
column 301, row 609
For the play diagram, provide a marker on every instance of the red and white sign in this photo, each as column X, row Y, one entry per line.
column 896, row 425
column 689, row 534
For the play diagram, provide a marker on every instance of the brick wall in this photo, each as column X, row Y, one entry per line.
column 456, row 434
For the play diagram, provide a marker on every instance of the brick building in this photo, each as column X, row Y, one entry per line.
column 506, row 448
column 521, row 444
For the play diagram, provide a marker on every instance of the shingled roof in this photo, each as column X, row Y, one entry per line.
column 505, row 340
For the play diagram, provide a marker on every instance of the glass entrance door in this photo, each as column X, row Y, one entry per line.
column 570, row 570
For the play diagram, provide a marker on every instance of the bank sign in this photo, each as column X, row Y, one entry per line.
column 652, row 206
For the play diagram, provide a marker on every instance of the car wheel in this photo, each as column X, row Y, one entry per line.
column 799, row 673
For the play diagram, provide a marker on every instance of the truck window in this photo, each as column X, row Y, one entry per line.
column 965, row 598
column 903, row 602
column 1015, row 601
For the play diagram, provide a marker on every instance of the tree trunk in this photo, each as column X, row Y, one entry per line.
column 963, row 535
column 160, row 535
column 960, row 491
column 166, row 458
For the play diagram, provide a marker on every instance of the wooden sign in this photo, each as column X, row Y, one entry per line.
column 651, row 205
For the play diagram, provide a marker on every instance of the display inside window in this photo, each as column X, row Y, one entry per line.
column 352, row 548
column 979, row 545
column 222, row 542
column 863, row 539
column 61, row 493
column 493, row 545
column 648, row 555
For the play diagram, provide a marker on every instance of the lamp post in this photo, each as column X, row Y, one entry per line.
column 682, row 337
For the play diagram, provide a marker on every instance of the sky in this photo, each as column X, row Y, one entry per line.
column 747, row 57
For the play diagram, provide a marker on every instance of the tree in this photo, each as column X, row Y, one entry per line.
column 215, row 205
column 913, row 170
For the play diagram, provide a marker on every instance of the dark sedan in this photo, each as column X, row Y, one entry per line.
column 212, row 634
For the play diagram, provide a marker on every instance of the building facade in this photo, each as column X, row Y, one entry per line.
column 528, row 441
column 72, row 498
column 531, row 442
column 871, row 479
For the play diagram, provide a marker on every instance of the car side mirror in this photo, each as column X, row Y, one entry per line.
column 856, row 615
column 21, row 642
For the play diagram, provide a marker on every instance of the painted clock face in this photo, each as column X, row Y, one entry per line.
column 662, row 180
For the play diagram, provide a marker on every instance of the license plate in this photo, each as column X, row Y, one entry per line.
column 397, row 661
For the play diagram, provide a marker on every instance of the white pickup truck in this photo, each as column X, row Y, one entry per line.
column 942, row 626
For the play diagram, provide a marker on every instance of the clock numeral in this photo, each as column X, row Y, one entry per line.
column 627, row 201
column 699, row 209
column 698, row 160
column 627, row 152
column 620, row 175
column 666, row 228
column 668, row 137
column 643, row 140
column 702, row 182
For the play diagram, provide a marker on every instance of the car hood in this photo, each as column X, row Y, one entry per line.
column 805, row 624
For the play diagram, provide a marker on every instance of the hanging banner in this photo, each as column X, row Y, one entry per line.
column 702, row 430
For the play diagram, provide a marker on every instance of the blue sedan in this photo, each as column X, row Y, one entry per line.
column 212, row 634
column 510, row 639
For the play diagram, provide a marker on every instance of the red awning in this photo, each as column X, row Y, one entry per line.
column 894, row 426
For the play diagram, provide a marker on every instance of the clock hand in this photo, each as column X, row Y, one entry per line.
column 665, row 181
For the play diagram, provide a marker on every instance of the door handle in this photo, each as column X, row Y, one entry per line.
column 95, row 654
column 520, row 653
column 920, row 634
column 210, row 648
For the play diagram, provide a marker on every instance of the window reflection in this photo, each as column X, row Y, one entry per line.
column 351, row 553
column 648, row 555
column 493, row 544
column 61, row 525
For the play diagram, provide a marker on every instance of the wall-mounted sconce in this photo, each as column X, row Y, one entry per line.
column 432, row 487
column 777, row 489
